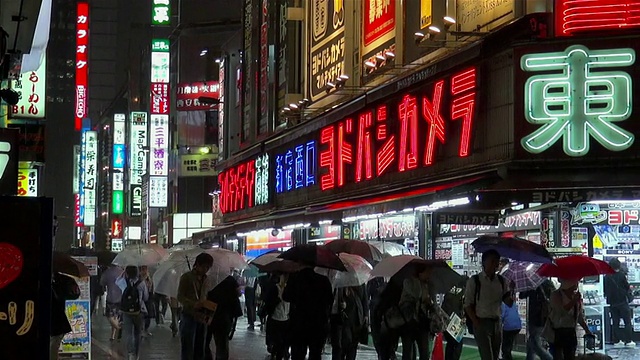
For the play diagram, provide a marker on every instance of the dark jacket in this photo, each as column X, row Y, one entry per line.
column 310, row 296
column 226, row 296
column 538, row 306
column 616, row 288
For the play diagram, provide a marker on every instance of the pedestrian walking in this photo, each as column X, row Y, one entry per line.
column 537, row 313
column 453, row 303
column 618, row 294
column 416, row 301
column 276, row 311
column 484, row 294
column 191, row 294
column 566, row 312
column 386, row 340
column 114, row 295
column 227, row 297
column 150, row 303
column 132, row 305
column 176, row 309
column 250, row 300
column 511, row 327
column 310, row 296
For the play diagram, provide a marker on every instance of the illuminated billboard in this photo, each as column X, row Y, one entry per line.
column 82, row 63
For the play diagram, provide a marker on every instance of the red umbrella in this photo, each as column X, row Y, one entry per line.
column 575, row 267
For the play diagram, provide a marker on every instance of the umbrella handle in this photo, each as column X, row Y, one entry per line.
column 188, row 263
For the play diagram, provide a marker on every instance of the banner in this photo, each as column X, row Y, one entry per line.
column 326, row 59
column 198, row 165
column 28, row 182
column 31, row 89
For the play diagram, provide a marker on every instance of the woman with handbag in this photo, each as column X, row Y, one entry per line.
column 566, row 312
column 416, row 302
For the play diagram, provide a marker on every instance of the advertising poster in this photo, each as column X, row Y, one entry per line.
column 378, row 33
column 25, row 277
column 79, row 339
column 472, row 15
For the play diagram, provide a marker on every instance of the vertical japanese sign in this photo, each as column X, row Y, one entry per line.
column 158, row 186
column 378, row 33
column 90, row 177
column 326, row 59
column 138, row 143
column 28, row 182
column 426, row 13
column 221, row 138
column 247, row 82
column 82, row 59
column 81, row 180
column 159, row 145
column 31, row 88
column 161, row 12
column 160, row 61
column 118, row 163
column 263, row 124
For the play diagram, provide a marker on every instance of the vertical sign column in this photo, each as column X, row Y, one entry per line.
column 159, row 124
column 90, row 177
column 82, row 62
column 138, row 161
column 117, row 172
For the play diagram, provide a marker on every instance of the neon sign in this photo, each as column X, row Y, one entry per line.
column 237, row 187
column 578, row 102
column 82, row 60
column 576, row 16
column 262, row 180
column 296, row 168
column 398, row 137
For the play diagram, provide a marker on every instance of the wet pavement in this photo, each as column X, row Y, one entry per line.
column 246, row 345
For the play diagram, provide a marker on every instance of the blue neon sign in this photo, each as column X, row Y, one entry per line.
column 296, row 168
column 118, row 156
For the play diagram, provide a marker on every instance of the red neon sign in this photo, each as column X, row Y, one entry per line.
column 237, row 187
column 76, row 210
column 82, row 62
column 575, row 16
column 159, row 98
column 116, row 229
column 408, row 140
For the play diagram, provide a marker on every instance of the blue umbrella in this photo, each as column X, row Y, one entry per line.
column 513, row 248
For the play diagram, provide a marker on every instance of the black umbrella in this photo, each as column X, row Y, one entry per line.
column 513, row 248
column 313, row 255
column 356, row 247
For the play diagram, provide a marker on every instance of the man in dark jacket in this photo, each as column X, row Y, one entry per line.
column 538, row 311
column 311, row 296
column 616, row 290
column 227, row 296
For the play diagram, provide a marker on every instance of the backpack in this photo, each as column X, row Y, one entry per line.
column 453, row 302
column 130, row 301
column 476, row 280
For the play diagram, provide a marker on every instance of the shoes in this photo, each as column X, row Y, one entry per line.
column 630, row 344
column 619, row 344
column 147, row 334
column 250, row 327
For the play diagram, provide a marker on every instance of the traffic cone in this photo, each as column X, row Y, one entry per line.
column 438, row 348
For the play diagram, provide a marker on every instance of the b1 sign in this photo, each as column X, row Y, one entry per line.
column 31, row 87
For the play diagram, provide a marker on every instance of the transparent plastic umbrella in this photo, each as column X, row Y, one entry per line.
column 358, row 271
column 390, row 248
column 141, row 255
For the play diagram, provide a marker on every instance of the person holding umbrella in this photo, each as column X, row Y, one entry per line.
column 416, row 299
column 484, row 295
column 566, row 311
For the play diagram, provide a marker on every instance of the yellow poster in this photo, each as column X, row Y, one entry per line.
column 426, row 15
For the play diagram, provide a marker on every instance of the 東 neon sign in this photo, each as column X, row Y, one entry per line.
column 575, row 103
column 399, row 137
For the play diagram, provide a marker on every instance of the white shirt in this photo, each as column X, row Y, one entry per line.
column 281, row 312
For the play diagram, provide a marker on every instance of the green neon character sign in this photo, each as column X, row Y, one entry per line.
column 575, row 103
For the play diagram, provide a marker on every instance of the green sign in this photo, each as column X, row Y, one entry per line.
column 161, row 12
column 160, row 45
column 117, row 202
column 577, row 99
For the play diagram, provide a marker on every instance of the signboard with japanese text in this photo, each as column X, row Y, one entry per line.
column 31, row 89
column 138, row 143
column 159, row 155
column 426, row 13
column 296, row 168
column 221, row 113
column 264, row 68
column 117, row 229
column 76, row 169
column 161, row 12
column 82, row 63
column 483, row 15
column 262, row 190
column 28, row 182
column 237, row 187
column 158, row 191
column 327, row 45
column 25, row 279
column 198, row 165
column 118, row 164
column 78, row 341
column 160, row 98
column 160, row 67
column 550, row 122
column 188, row 94
column 378, row 33
column 90, row 170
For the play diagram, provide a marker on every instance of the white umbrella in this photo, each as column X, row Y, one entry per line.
column 224, row 263
column 141, row 255
column 390, row 248
column 392, row 265
column 358, row 271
